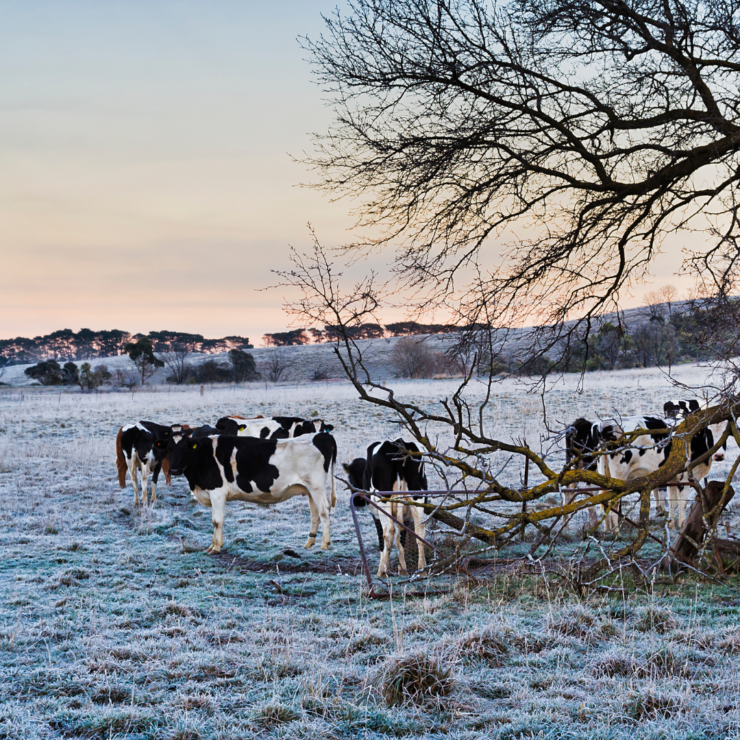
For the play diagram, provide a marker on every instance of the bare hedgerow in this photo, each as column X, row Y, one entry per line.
column 415, row 678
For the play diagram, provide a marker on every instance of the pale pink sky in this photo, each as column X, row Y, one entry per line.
column 145, row 176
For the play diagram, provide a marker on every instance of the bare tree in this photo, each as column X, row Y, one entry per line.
column 274, row 368
column 654, row 303
column 473, row 438
column 668, row 293
column 175, row 358
column 605, row 124
column 412, row 358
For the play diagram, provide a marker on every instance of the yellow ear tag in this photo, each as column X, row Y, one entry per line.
column 242, row 427
column 195, row 447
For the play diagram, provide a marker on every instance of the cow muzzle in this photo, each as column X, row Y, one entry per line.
column 718, row 457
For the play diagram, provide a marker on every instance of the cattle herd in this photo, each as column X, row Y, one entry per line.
column 598, row 446
column 267, row 461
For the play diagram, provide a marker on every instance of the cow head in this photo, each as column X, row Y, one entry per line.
column 182, row 452
column 230, row 426
column 356, row 477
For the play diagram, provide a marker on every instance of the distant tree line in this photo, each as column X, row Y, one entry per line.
column 665, row 337
column 364, row 331
column 86, row 344
column 240, row 368
column 668, row 337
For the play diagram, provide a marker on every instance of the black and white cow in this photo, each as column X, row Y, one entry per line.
column 134, row 452
column 356, row 477
column 390, row 467
column 279, row 427
column 223, row 468
column 639, row 456
column 701, row 443
column 581, row 442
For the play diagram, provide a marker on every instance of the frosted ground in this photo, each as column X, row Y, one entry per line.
column 114, row 623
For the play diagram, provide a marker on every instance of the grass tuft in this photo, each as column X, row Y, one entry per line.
column 649, row 706
column 576, row 622
column 656, row 619
column 415, row 679
column 730, row 643
column 274, row 714
column 486, row 645
column 614, row 663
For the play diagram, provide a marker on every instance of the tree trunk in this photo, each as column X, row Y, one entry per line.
column 695, row 528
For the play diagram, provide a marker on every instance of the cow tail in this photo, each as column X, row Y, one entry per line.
column 333, row 463
column 166, row 469
column 121, row 460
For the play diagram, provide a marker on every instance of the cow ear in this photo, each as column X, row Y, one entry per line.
column 346, row 467
column 194, row 444
column 328, row 427
column 160, row 444
column 242, row 427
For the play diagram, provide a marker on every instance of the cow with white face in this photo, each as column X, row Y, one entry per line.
column 221, row 468
column 134, row 455
column 279, row 427
column 634, row 458
column 396, row 466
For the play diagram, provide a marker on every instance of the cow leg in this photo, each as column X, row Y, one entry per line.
column 385, row 556
column 144, row 482
column 379, row 530
column 311, row 541
column 419, row 530
column 402, row 569
column 659, row 501
column 155, row 478
column 683, row 499
column 218, row 511
column 133, row 466
column 672, row 505
column 324, row 515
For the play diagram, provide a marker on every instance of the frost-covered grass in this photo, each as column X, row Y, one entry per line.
column 114, row 623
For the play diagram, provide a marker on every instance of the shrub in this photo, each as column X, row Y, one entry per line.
column 47, row 373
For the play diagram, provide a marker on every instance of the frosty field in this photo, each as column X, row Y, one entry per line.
column 114, row 623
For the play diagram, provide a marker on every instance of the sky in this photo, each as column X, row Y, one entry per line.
column 146, row 178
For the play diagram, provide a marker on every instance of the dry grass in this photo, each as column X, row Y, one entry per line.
column 417, row 678
column 111, row 628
